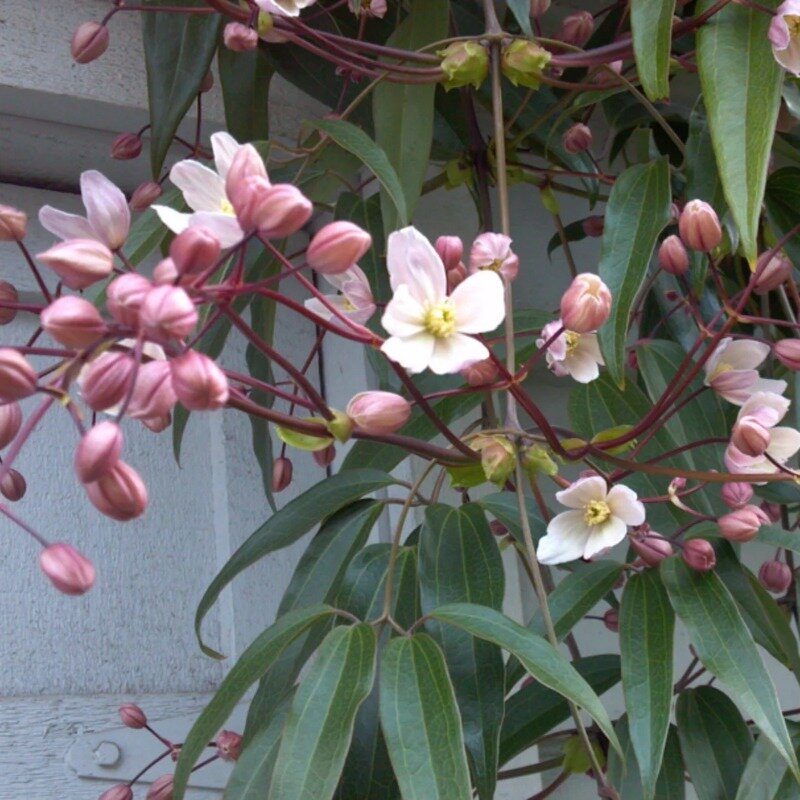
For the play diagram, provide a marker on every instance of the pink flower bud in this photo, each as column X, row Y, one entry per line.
column 651, row 547
column 98, row 451
column 69, row 571
column 73, row 321
column 17, row 378
column 229, row 745
column 10, row 422
column 593, row 226
column 161, row 788
column 107, row 380
column 13, row 224
column 577, row 138
column 166, row 272
column 89, row 42
column 750, row 436
column 325, row 457
column 586, row 304
column 198, row 382
column 13, row 486
column 239, row 38
column 124, row 297
column 699, row 555
column 775, row 576
column 79, row 262
column 699, row 226
column 576, row 28
column 455, row 276
column 771, row 274
column 741, row 525
column 153, row 395
column 126, row 146
column 132, row 716
column 247, row 163
column 736, row 495
column 379, row 412
column 119, row 792
column 8, row 294
column 281, row 474
column 284, row 211
column 167, row 312
column 480, row 373
column 611, row 620
column 336, row 247
column 450, row 250
column 497, row 528
column 787, row 351
column 195, row 250
column 119, row 494
column 145, row 195
column 539, row 7
column 672, row 256
column 772, row 511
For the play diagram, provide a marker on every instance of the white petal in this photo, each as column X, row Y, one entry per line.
column 604, row 536
column 769, row 408
column 479, row 303
column 582, row 492
column 455, row 352
column 769, row 386
column 789, row 57
column 224, row 226
column 413, row 352
column 224, row 147
column 106, row 208
column 202, row 188
column 566, row 539
column 176, row 221
column 404, row 316
column 64, row 225
column 745, row 354
column 582, row 367
column 784, row 443
column 589, row 345
column 735, row 386
column 412, row 260
column 625, row 504
column 315, row 306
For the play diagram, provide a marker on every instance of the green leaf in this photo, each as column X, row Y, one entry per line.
column 762, row 773
column 783, row 206
column 318, row 730
column 521, row 9
column 538, row 656
column 404, row 113
column 503, row 507
column 245, row 80
column 715, row 742
column 778, row 537
column 252, row 664
column 287, row 526
column 702, row 178
column 459, row 561
column 646, row 628
column 726, row 648
column 178, row 49
column 420, row 721
column 741, row 84
column 637, row 211
column 651, row 25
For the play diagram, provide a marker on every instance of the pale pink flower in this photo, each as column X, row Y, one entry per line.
column 575, row 354
column 784, row 35
column 784, row 442
column 731, row 370
column 107, row 220
column 597, row 520
column 354, row 301
column 492, row 251
column 428, row 327
column 284, row 8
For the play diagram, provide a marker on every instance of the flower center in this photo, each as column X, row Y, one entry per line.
column 596, row 512
column 494, row 266
column 347, row 305
column 440, row 319
column 720, row 369
column 572, row 341
column 793, row 24
column 226, row 207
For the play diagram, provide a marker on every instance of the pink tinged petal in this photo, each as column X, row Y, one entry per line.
column 789, row 57
column 224, row 226
column 455, row 352
column 778, row 33
column 582, row 492
column 769, row 386
column 412, row 260
column 176, row 221
column 558, row 347
column 64, row 225
column 589, row 344
column 566, row 539
column 767, row 407
column 479, row 304
column 739, row 462
column 735, row 386
column 581, row 368
column 202, row 188
column 604, row 536
column 625, row 504
column 784, row 443
column 745, row 354
column 404, row 315
column 224, row 147
column 411, row 352
column 106, row 208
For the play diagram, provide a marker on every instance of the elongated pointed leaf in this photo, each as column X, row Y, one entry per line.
column 287, row 526
column 762, row 773
column 774, row 536
column 521, row 9
column 503, row 507
column 252, row 664
column 651, row 24
column 318, row 730
column 420, row 721
column 637, row 211
column 741, row 84
column 538, row 656
column 245, row 80
column 726, row 648
column 715, row 742
column 646, row 628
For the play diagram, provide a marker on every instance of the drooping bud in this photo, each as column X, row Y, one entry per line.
column 119, row 494
column 611, row 620
column 195, row 250
column 124, row 297
column 672, row 256
column 284, row 211
column 594, row 226
column 771, row 273
column 741, row 525
column 326, row 456
column 161, row 788
column 281, row 474
column 107, row 380
column 165, row 272
column 699, row 226
column 145, row 195
column 132, row 716
column 750, row 436
column 480, row 373
column 126, row 147
column 539, row 7
column 10, row 422
column 198, row 382
column 89, row 42
column 119, row 792
column 166, row 313
column 379, row 412
column 577, row 138
column 240, row 38
column 73, row 321
column 772, row 510
column 8, row 294
column 576, row 28
column 17, row 377
column 450, row 250
column 586, row 304
column 651, row 547
column 98, row 451
column 775, row 576
column 337, row 246
column 229, row 745
column 247, row 163
column 13, row 486
column 79, row 262
column 464, row 64
column 787, row 351
column 13, row 224
column 523, row 62
column 737, row 494
column 153, row 396
column 699, row 555
column 68, row 570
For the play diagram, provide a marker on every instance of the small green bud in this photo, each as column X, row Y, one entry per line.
column 265, row 23
column 536, row 460
column 341, row 426
column 497, row 458
column 464, row 63
column 549, row 200
column 523, row 62
column 304, row 441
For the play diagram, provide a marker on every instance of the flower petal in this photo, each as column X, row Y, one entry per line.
column 590, row 345
column 745, row 354
column 769, row 386
column 625, row 504
column 106, row 208
column 224, row 147
column 455, row 352
column 582, row 492
column 202, row 188
column 566, row 539
column 784, row 443
column 767, row 407
column 789, row 57
column 412, row 260
column 735, row 386
column 64, row 225
column 404, row 316
column 224, row 226
column 412, row 352
column 582, row 367
column 479, row 303
column 176, row 221
column 603, row 536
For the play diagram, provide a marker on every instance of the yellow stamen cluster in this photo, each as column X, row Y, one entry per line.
column 793, row 24
column 440, row 319
column 226, row 207
column 572, row 341
column 596, row 512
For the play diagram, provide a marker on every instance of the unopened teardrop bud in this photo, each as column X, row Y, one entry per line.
column 89, row 42
column 577, row 138
column 576, row 28
column 699, row 555
column 198, row 382
column 586, row 304
column 132, row 716
column 119, row 792
column 672, row 256
column 281, row 474
column 124, row 297
column 119, row 494
column 337, row 247
column 98, row 451
column 699, row 226
column 73, row 321
column 126, row 146
column 13, row 224
column 195, row 250
column 166, row 313
column 737, row 494
column 161, row 788
column 145, row 195
column 611, row 620
column 10, row 422
column 229, row 745
column 69, row 571
column 8, row 294
column 13, row 486
column 17, row 377
column 771, row 273
column 79, row 262
column 775, row 576
column 787, row 351
column 326, row 456
column 240, row 38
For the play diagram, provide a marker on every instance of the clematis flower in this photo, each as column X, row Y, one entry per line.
column 204, row 192
column 107, row 220
column 731, row 370
column 784, row 35
column 784, row 442
column 354, row 299
column 428, row 327
column 598, row 519
column 284, row 8
column 492, row 251
column 574, row 354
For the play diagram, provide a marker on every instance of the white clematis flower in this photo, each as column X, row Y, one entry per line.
column 598, row 519
column 784, row 442
column 574, row 354
column 107, row 220
column 204, row 192
column 732, row 370
column 784, row 36
column 355, row 299
column 427, row 327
